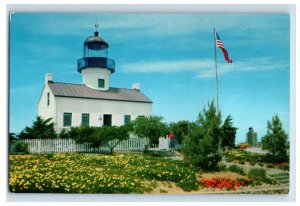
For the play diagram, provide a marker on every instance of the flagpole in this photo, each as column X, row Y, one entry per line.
column 217, row 87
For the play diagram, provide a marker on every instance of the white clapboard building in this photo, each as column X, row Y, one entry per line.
column 94, row 102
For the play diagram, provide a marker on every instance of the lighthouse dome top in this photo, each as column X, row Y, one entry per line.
column 96, row 42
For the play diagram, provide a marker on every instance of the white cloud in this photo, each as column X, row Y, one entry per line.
column 167, row 66
column 204, row 68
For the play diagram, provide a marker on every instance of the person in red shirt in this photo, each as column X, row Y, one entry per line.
column 171, row 145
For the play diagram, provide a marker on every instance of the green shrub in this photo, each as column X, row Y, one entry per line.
column 222, row 167
column 20, row 147
column 40, row 129
column 252, row 163
column 258, row 175
column 242, row 162
column 276, row 141
column 201, row 146
column 236, row 169
column 64, row 134
column 283, row 166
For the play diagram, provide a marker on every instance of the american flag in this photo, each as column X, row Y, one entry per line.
column 221, row 46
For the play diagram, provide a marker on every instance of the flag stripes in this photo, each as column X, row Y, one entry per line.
column 221, row 46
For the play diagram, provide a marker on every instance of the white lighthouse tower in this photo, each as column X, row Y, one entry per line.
column 94, row 66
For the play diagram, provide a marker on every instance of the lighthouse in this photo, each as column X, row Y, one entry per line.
column 95, row 66
column 94, row 102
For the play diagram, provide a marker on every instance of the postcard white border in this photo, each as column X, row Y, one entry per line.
column 226, row 8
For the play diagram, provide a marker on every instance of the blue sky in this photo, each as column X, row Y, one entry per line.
column 171, row 55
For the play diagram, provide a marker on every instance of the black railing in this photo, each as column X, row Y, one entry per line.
column 96, row 62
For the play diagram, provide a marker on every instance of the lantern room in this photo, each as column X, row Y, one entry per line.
column 95, row 46
column 95, row 52
column 95, row 67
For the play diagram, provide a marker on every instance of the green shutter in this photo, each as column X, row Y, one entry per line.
column 127, row 119
column 85, row 119
column 101, row 83
column 67, row 119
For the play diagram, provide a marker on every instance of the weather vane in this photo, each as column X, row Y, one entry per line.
column 96, row 25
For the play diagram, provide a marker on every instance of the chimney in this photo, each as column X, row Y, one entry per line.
column 48, row 77
column 136, row 86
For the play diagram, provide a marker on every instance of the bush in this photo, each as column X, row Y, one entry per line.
column 201, row 145
column 150, row 127
column 283, row 166
column 252, row 163
column 40, row 129
column 236, row 169
column 200, row 151
column 20, row 147
column 258, row 175
column 222, row 167
column 64, row 134
column 83, row 134
column 181, row 129
column 275, row 141
column 242, row 162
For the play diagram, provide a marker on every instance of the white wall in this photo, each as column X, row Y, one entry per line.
column 95, row 108
column 91, row 75
column 47, row 111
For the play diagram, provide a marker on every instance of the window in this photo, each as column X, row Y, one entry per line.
column 85, row 119
column 67, row 119
column 127, row 119
column 107, row 119
column 101, row 83
column 48, row 98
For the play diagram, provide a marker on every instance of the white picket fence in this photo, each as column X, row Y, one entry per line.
column 163, row 143
column 69, row 145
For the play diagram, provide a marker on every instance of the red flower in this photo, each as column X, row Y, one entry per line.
column 220, row 183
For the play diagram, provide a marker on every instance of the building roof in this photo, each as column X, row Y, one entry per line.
column 96, row 39
column 82, row 91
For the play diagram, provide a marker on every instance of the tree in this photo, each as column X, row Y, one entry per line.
column 275, row 141
column 40, row 129
column 104, row 135
column 81, row 134
column 228, row 133
column 12, row 137
column 201, row 145
column 149, row 127
column 181, row 129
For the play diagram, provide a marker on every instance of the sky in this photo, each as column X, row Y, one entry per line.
column 171, row 55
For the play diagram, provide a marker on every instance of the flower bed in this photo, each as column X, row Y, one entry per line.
column 242, row 156
column 227, row 183
column 92, row 173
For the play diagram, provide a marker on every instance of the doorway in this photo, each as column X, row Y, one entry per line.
column 107, row 119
